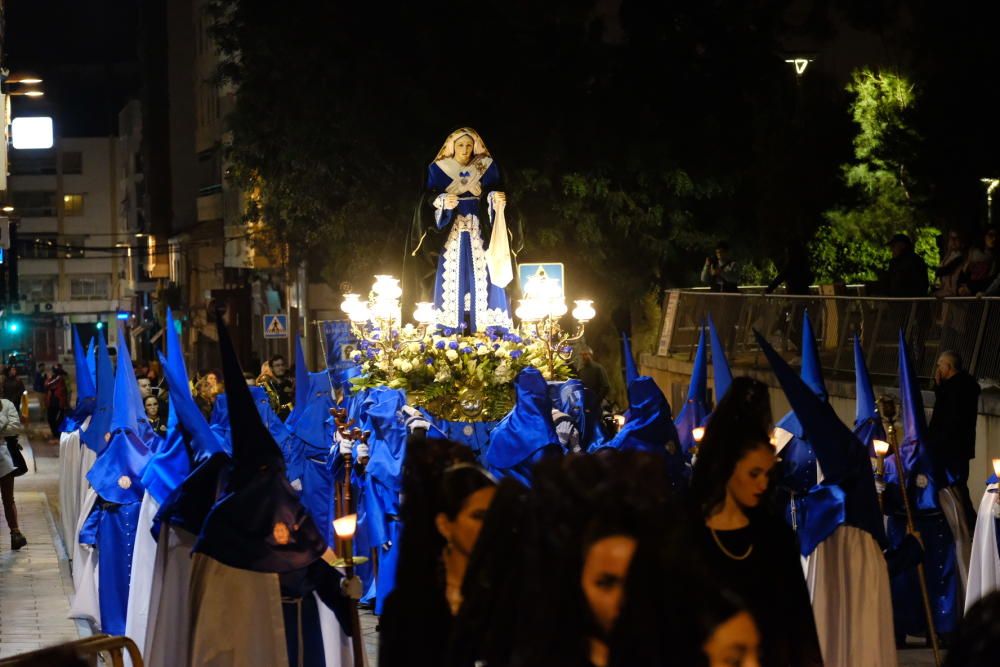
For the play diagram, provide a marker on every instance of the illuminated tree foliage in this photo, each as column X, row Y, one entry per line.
column 886, row 198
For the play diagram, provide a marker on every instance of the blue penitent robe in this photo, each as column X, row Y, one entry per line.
column 116, row 477
column 308, row 447
column 526, row 435
column 925, row 478
column 462, row 284
column 650, row 429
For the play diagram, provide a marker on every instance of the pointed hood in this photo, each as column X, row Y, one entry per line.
column 693, row 412
column 188, row 436
column 127, row 401
column 96, row 435
column 117, row 473
column 313, row 401
column 86, row 392
column 570, row 397
column 812, row 368
column 923, row 477
column 720, row 365
column 92, row 359
column 528, row 427
column 649, row 427
column 631, row 373
column 85, row 387
column 847, row 493
column 867, row 420
column 260, row 524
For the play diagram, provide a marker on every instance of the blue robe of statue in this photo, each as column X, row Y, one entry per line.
column 462, row 284
column 527, row 434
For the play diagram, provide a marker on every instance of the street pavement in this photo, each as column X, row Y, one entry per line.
column 36, row 585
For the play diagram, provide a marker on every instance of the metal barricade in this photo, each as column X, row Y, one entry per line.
column 90, row 649
column 969, row 326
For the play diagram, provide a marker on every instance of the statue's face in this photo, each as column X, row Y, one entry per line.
column 463, row 149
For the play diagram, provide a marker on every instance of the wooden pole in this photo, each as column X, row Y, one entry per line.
column 888, row 409
column 343, row 505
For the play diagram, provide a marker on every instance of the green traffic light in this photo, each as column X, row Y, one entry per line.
column 100, row 325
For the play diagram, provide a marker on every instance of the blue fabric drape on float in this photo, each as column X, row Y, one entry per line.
column 695, row 408
column 846, row 496
column 721, row 374
column 527, row 434
column 924, row 480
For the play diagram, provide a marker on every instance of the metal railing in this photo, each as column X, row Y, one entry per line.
column 88, row 649
column 969, row 326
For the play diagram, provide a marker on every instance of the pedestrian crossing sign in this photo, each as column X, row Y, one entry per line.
column 276, row 326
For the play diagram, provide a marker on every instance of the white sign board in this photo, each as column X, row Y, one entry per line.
column 31, row 132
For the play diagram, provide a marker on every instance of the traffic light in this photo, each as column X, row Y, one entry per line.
column 12, row 326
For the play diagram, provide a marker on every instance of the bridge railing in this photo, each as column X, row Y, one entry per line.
column 969, row 326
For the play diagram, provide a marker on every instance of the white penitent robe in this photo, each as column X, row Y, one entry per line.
column 951, row 506
column 140, row 587
column 236, row 617
column 86, row 604
column 169, row 622
column 337, row 648
column 87, row 459
column 69, row 486
column 984, row 568
column 849, row 584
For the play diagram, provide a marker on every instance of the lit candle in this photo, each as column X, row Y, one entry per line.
column 881, row 447
column 996, row 467
column 698, row 432
column 346, row 526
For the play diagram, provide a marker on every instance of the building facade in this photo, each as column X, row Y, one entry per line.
column 72, row 248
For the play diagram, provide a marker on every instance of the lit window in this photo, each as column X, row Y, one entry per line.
column 72, row 205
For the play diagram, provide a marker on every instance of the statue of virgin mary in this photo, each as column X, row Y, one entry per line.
column 474, row 259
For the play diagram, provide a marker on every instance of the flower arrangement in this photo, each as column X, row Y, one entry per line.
column 453, row 376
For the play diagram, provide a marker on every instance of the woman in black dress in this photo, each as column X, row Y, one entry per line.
column 445, row 499
column 743, row 548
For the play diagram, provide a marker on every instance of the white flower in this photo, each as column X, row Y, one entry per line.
column 382, row 365
column 442, row 375
column 405, row 366
column 413, row 348
column 502, row 353
column 482, row 350
column 451, row 354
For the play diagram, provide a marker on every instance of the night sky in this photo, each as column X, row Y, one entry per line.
column 86, row 52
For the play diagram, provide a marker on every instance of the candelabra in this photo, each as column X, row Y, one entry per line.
column 540, row 311
column 377, row 321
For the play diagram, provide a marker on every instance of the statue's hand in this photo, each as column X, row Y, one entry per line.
column 450, row 201
column 499, row 198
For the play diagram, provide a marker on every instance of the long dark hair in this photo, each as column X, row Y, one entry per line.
column 740, row 424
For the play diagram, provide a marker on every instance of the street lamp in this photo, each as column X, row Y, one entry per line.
column 991, row 185
column 800, row 64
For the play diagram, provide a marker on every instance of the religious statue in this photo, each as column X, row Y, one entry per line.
column 474, row 263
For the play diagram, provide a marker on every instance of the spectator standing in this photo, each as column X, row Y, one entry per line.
column 56, row 398
column 952, row 429
column 721, row 272
column 795, row 271
column 906, row 274
column 953, row 260
column 39, row 382
column 980, row 275
column 13, row 387
column 11, row 465
column 279, row 388
column 593, row 376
